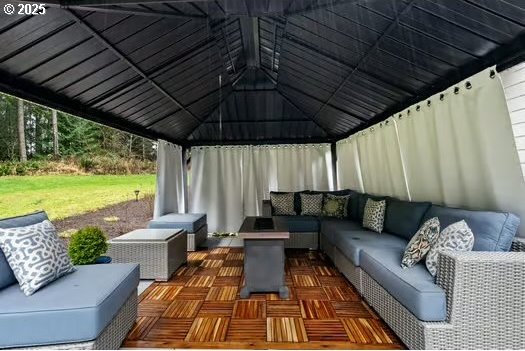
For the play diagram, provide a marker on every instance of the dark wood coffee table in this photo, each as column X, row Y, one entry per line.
column 264, row 255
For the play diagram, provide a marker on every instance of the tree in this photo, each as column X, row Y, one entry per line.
column 21, row 131
column 54, row 123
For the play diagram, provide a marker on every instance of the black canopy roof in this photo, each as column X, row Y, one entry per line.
column 246, row 71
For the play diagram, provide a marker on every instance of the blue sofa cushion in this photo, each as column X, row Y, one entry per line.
column 302, row 223
column 74, row 308
column 6, row 273
column 191, row 222
column 352, row 243
column 330, row 226
column 414, row 287
column 493, row 231
column 403, row 218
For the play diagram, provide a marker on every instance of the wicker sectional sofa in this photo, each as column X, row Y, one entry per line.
column 477, row 299
column 91, row 308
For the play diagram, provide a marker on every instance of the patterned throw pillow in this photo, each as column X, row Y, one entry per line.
column 374, row 216
column 36, row 255
column 335, row 206
column 283, row 204
column 421, row 243
column 346, row 199
column 311, row 204
column 455, row 237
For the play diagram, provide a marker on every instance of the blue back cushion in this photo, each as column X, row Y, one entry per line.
column 403, row 218
column 493, row 231
column 6, row 274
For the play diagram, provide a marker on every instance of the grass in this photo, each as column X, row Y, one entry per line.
column 63, row 196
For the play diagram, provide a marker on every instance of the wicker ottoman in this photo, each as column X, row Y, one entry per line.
column 193, row 223
column 158, row 251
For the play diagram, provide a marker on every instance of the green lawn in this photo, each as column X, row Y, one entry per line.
column 62, row 196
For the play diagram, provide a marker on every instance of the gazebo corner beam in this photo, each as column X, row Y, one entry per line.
column 367, row 55
column 132, row 65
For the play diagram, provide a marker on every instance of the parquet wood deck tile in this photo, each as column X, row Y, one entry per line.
column 351, row 309
column 169, row 329
column 200, row 281
column 230, row 272
column 317, row 330
column 317, row 309
column 248, row 330
column 285, row 329
column 233, row 263
column 164, row 293
column 200, row 307
column 182, row 309
column 223, row 293
column 208, row 329
column 283, row 309
column 341, row 293
column 316, row 293
column 216, row 309
column 249, row 309
column 227, row 281
column 189, row 293
column 153, row 308
column 207, row 271
column 305, row 280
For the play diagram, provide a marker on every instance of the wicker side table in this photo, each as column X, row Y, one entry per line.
column 158, row 251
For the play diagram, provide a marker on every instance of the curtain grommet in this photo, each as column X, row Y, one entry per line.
column 400, row 115
column 418, row 108
column 492, row 73
column 408, row 112
column 456, row 90
column 468, row 85
column 429, row 103
column 441, row 97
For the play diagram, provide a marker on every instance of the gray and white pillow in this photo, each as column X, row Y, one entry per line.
column 282, row 204
column 374, row 215
column 421, row 243
column 455, row 237
column 36, row 255
column 311, row 204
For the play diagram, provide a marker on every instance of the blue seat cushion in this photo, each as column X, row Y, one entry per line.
column 74, row 308
column 414, row 287
column 6, row 273
column 403, row 218
column 191, row 222
column 302, row 223
column 330, row 226
column 351, row 243
column 493, row 231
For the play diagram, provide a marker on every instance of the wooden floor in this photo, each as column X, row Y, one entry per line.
column 200, row 308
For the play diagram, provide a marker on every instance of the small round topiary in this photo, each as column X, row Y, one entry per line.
column 87, row 245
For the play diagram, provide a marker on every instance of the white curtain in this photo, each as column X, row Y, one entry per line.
column 216, row 186
column 460, row 150
column 348, row 166
column 169, row 194
column 230, row 182
column 381, row 162
column 456, row 148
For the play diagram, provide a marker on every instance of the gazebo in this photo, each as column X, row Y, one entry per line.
column 414, row 101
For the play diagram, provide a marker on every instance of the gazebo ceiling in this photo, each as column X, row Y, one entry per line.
column 291, row 71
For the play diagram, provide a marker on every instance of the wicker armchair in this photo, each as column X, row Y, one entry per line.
column 485, row 303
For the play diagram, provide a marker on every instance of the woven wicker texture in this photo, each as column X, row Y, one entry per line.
column 158, row 260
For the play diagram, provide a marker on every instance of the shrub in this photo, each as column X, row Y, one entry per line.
column 87, row 245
